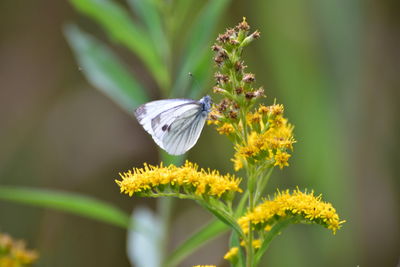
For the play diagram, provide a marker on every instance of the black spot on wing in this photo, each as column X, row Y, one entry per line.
column 165, row 127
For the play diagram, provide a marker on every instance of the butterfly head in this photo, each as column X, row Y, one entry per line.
column 206, row 102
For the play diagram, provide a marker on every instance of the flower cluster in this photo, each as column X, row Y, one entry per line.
column 306, row 207
column 263, row 139
column 261, row 134
column 183, row 181
column 14, row 254
column 270, row 137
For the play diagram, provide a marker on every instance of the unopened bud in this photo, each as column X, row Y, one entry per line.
column 250, row 38
column 249, row 77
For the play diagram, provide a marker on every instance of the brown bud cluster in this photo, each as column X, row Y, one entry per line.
column 244, row 26
column 256, row 34
column 255, row 94
column 220, row 57
column 225, row 37
column 216, row 48
column 239, row 90
column 228, row 109
column 239, row 66
column 233, row 114
column 221, row 78
column 249, row 77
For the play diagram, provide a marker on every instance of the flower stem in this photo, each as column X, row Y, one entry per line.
column 249, row 243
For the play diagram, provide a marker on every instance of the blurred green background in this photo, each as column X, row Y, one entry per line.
column 333, row 64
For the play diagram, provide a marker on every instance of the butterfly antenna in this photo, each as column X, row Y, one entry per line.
column 194, row 82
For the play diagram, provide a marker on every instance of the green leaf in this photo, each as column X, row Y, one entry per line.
column 104, row 70
column 73, row 203
column 199, row 239
column 235, row 242
column 199, row 47
column 222, row 215
column 241, row 206
column 117, row 23
column 148, row 12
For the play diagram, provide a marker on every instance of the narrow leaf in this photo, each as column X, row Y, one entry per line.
column 199, row 239
column 122, row 29
column 73, row 203
column 199, row 46
column 104, row 70
column 222, row 216
column 235, row 242
column 148, row 12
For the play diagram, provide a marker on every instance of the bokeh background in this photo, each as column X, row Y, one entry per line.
column 333, row 64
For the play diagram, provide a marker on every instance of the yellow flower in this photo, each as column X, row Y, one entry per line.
column 205, row 266
column 152, row 180
column 13, row 252
column 305, row 205
column 279, row 136
column 213, row 117
column 281, row 159
column 253, row 118
column 263, row 109
column 226, row 129
column 237, row 162
column 276, row 109
column 267, row 228
column 231, row 254
column 256, row 243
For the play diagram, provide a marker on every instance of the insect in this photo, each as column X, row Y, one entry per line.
column 174, row 124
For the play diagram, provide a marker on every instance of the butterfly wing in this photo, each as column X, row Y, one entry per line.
column 180, row 127
column 179, row 141
column 163, row 119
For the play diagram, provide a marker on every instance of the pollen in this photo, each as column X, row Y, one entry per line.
column 303, row 206
column 188, row 179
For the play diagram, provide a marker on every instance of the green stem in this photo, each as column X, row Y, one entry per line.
column 249, row 243
column 165, row 207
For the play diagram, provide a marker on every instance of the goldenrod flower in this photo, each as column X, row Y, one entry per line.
column 238, row 162
column 256, row 243
column 188, row 180
column 281, row 159
column 306, row 206
column 231, row 254
column 226, row 129
column 13, row 252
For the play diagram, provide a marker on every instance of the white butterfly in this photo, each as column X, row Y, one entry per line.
column 174, row 124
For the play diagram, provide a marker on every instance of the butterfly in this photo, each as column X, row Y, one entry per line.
column 174, row 124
